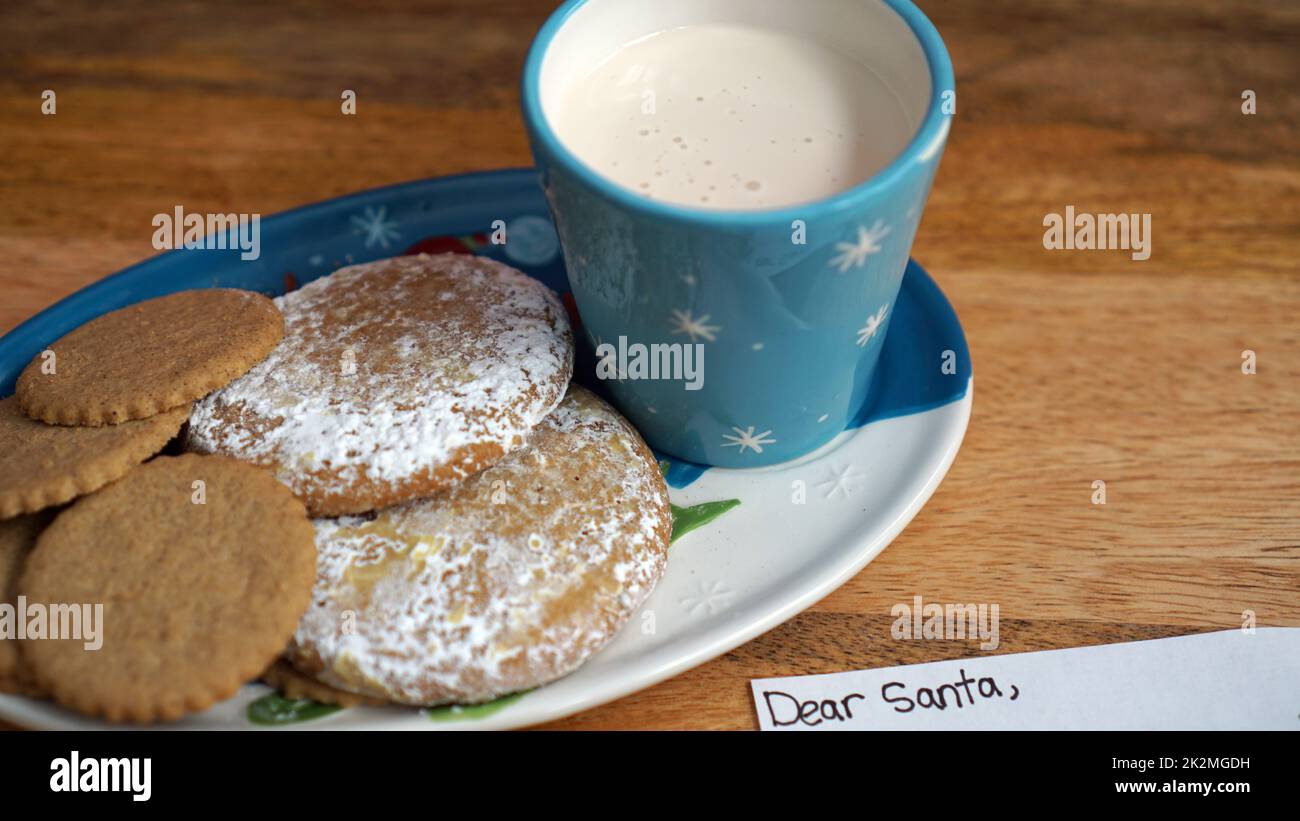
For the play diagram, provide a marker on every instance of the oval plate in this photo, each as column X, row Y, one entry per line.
column 799, row 529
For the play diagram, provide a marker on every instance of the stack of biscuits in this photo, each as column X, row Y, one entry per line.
column 387, row 491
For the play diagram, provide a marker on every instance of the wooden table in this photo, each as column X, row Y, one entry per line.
column 1090, row 365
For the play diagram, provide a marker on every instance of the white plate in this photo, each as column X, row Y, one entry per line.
column 727, row 582
column 732, row 579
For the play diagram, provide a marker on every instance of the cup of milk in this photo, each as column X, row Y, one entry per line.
column 736, row 185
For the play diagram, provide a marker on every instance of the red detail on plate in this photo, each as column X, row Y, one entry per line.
column 572, row 307
column 290, row 282
column 447, row 245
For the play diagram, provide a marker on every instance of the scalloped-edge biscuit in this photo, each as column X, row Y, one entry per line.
column 395, row 379
column 508, row 580
column 17, row 538
column 149, row 357
column 44, row 465
column 203, row 566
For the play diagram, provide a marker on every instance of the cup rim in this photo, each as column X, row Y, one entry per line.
column 927, row 141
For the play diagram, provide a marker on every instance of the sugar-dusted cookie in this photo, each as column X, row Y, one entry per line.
column 17, row 537
column 149, row 357
column 43, row 465
column 203, row 565
column 293, row 684
column 395, row 379
column 506, row 581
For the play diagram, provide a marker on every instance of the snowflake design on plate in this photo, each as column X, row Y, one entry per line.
column 842, row 482
column 375, row 226
column 708, row 597
column 868, row 331
column 748, row 440
column 694, row 327
column 854, row 254
column 531, row 241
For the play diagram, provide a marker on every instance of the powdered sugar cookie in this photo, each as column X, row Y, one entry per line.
column 504, row 582
column 293, row 684
column 395, row 379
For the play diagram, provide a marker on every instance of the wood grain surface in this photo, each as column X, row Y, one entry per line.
column 1089, row 365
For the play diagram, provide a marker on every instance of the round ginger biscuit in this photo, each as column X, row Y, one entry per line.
column 395, row 379
column 511, row 579
column 202, row 565
column 17, row 538
column 149, row 357
column 43, row 465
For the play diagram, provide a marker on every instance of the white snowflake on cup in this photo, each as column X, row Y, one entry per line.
column 684, row 323
column 748, row 440
column 866, row 332
column 854, row 254
column 375, row 226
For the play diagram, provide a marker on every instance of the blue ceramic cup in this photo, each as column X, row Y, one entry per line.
column 789, row 306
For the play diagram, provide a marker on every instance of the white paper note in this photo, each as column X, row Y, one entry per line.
column 1225, row 680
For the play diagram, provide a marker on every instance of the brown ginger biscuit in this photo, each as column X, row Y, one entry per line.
column 504, row 582
column 22, row 684
column 43, row 465
column 293, row 684
column 150, row 357
column 395, row 379
column 203, row 565
column 17, row 538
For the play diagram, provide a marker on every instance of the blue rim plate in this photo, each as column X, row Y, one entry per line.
column 799, row 529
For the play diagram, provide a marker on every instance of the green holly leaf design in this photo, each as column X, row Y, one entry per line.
column 274, row 708
column 686, row 519
column 471, row 712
